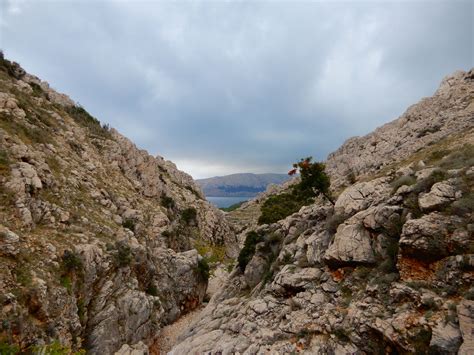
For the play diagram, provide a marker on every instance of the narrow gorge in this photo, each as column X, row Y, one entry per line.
column 105, row 249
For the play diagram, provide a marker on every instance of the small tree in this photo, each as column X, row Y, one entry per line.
column 314, row 180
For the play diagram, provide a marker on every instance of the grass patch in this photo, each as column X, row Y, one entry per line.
column 28, row 135
column 9, row 349
column 213, row 253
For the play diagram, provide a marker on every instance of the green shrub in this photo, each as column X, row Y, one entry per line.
column 203, row 269
column 247, row 252
column 66, row 282
column 71, row 261
column 278, row 207
column 152, row 290
column 167, row 201
column 314, row 181
column 189, row 215
column 123, row 257
column 129, row 224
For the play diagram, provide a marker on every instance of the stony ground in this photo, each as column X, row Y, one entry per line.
column 169, row 335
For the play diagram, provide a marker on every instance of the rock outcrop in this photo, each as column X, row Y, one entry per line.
column 388, row 268
column 97, row 237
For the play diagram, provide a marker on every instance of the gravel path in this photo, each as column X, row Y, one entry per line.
column 169, row 334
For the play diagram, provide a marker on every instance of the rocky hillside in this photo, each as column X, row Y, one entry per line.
column 97, row 237
column 248, row 185
column 388, row 268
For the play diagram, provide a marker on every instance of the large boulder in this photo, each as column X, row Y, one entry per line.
column 352, row 244
column 360, row 196
column 426, row 238
column 440, row 194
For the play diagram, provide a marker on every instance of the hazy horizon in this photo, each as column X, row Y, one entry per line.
column 225, row 87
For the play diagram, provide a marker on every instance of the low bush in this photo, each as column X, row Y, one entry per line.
column 314, row 181
column 129, row 224
column 123, row 257
column 152, row 290
column 247, row 252
column 189, row 215
column 281, row 206
column 203, row 269
column 71, row 261
column 166, row 201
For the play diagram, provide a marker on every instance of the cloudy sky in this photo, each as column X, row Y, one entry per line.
column 238, row 86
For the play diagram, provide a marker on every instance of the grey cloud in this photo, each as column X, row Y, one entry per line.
column 241, row 85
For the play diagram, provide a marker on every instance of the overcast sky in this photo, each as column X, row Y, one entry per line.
column 227, row 87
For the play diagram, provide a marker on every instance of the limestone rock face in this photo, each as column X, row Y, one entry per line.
column 362, row 195
column 426, row 237
column 441, row 194
column 448, row 112
column 352, row 244
column 388, row 269
column 97, row 237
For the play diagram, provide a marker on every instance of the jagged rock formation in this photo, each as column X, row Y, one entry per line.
column 447, row 112
column 96, row 236
column 388, row 269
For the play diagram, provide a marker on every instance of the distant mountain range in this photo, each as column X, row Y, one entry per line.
column 245, row 184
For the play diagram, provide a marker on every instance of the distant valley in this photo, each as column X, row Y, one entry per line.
column 239, row 185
